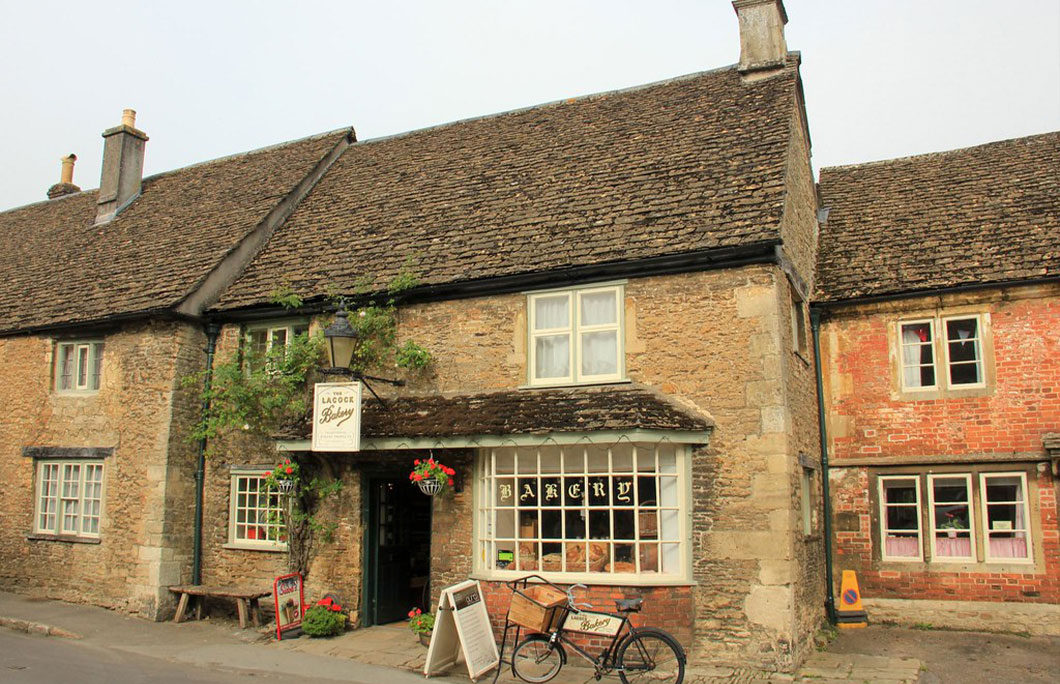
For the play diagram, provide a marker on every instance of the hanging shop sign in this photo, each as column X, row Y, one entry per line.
column 287, row 593
column 337, row 416
column 462, row 626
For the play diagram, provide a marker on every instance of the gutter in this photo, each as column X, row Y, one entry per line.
column 765, row 252
column 815, row 325
column 212, row 332
column 934, row 292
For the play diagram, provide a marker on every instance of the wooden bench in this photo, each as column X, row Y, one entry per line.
column 246, row 601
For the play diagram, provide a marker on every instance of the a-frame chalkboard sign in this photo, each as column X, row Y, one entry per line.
column 462, row 626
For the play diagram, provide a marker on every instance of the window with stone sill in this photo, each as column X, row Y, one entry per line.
column 576, row 336
column 259, row 340
column 78, row 366
column 944, row 353
column 69, row 498
column 256, row 513
column 583, row 512
column 997, row 529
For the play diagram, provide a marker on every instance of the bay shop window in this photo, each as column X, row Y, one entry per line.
column 583, row 512
column 937, row 517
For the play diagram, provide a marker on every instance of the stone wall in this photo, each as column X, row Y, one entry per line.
column 138, row 412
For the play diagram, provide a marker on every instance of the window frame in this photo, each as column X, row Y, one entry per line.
column 234, row 542
column 799, row 338
column 94, row 351
column 290, row 328
column 933, row 523
column 979, row 361
column 882, row 507
column 940, row 356
column 58, row 528
column 485, row 544
column 575, row 330
column 1027, row 529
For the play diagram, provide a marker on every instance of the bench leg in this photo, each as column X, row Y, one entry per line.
column 182, row 605
column 241, row 608
column 198, row 606
column 255, row 613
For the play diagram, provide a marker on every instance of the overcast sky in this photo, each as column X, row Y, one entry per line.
column 883, row 78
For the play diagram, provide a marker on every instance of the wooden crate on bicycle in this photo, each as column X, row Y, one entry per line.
column 538, row 607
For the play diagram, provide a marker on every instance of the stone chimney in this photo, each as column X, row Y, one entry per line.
column 123, row 167
column 65, row 186
column 762, row 45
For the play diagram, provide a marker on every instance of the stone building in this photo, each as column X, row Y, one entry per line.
column 99, row 320
column 613, row 288
column 940, row 344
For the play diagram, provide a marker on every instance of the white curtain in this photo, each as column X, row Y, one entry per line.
column 911, row 355
column 598, row 308
column 600, row 353
column 551, row 313
column 552, row 356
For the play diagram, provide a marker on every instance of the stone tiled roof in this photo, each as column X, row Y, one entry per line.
column 523, row 412
column 978, row 215
column 685, row 165
column 59, row 268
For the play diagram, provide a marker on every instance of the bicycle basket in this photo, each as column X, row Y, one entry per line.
column 538, row 607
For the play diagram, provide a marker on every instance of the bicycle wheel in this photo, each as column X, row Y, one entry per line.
column 651, row 655
column 536, row 660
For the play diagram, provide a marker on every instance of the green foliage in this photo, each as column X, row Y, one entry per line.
column 412, row 356
column 285, row 296
column 324, row 621
column 420, row 622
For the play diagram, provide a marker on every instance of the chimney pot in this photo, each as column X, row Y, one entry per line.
column 762, row 44
column 123, row 167
column 65, row 186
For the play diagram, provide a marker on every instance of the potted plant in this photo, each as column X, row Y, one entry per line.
column 325, row 619
column 422, row 625
column 284, row 477
column 432, row 477
column 952, row 524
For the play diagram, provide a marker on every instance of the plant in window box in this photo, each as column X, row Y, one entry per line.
column 432, row 477
column 421, row 624
column 325, row 619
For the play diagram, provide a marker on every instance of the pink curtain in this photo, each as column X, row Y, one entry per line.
column 1008, row 547
column 905, row 547
column 953, row 547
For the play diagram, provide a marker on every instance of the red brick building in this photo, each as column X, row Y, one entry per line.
column 940, row 349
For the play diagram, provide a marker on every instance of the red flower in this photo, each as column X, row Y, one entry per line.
column 336, row 608
column 267, row 475
column 416, row 462
column 450, row 482
column 326, row 601
column 289, row 470
column 412, row 613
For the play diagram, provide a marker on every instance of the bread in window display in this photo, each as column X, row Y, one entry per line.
column 598, row 556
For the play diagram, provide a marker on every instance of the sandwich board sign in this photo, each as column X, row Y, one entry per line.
column 336, row 416
column 462, row 626
column 289, row 598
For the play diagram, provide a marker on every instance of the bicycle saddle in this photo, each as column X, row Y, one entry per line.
column 628, row 605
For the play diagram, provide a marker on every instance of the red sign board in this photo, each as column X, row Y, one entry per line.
column 287, row 592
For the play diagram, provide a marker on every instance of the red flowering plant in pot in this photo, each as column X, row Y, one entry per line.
column 325, row 619
column 284, row 477
column 421, row 624
column 432, row 477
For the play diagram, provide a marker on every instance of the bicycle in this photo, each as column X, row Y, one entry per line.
column 637, row 654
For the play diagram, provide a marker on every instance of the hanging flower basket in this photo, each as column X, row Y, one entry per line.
column 283, row 478
column 431, row 476
column 430, row 487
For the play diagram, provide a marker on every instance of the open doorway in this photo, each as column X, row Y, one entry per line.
column 397, row 550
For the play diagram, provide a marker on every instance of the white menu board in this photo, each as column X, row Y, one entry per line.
column 462, row 625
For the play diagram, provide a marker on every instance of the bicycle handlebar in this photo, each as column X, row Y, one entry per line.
column 570, row 597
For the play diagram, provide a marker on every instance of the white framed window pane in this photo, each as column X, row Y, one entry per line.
column 97, row 366
column 49, row 497
column 552, row 356
column 595, row 514
column 82, row 366
column 66, row 367
column 965, row 356
column 900, row 517
column 951, row 513
column 599, row 308
column 918, row 355
column 257, row 511
column 600, row 353
column 552, row 313
column 1005, row 517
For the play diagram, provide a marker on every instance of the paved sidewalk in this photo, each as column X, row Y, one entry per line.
column 387, row 653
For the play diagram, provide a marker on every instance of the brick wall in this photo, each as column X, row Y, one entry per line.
column 875, row 429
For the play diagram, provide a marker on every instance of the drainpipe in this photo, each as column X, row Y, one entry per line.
column 212, row 330
column 815, row 325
